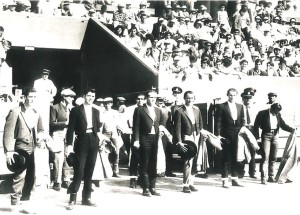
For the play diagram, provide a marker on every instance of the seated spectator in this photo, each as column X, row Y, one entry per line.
column 65, row 8
column 159, row 29
column 218, row 68
column 270, row 69
column 119, row 16
column 202, row 13
column 167, row 43
column 243, row 70
column 130, row 14
column 172, row 26
column 141, row 10
column 149, row 58
column 222, row 15
column 120, row 32
column 192, row 72
column 144, row 27
column 283, row 70
column 257, row 71
column 103, row 16
column 176, row 70
column 295, row 70
column 134, row 41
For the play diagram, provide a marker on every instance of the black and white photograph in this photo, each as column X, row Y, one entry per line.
column 149, row 107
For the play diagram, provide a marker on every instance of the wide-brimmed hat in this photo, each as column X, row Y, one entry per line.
column 191, row 150
column 21, row 160
column 72, row 159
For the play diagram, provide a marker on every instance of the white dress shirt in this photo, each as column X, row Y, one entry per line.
column 233, row 110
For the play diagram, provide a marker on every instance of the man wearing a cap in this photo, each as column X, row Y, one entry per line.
column 269, row 121
column 59, row 120
column 187, row 126
column 84, row 122
column 119, row 16
column 144, row 27
column 250, row 113
column 229, row 120
column 203, row 14
column 111, row 125
column 44, row 85
column 159, row 29
column 65, row 8
column 146, row 121
column 22, row 125
column 272, row 97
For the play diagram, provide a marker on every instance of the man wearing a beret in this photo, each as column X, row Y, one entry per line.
column 59, row 119
column 22, row 125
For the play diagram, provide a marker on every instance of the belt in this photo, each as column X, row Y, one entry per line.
column 273, row 131
column 89, row 130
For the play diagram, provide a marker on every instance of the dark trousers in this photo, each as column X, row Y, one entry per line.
column 229, row 156
column 86, row 149
column 134, row 161
column 148, row 158
column 23, row 182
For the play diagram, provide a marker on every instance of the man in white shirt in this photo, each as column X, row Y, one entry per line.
column 44, row 85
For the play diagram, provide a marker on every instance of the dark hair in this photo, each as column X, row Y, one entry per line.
column 1, row 28
column 29, row 90
column 232, row 90
column 104, row 7
column 276, row 106
column 119, row 26
column 92, row 90
column 188, row 92
column 222, row 5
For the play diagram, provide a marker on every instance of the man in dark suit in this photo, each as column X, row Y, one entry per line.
column 146, row 121
column 20, row 132
column 85, row 122
column 187, row 126
column 269, row 121
column 59, row 119
column 229, row 120
column 159, row 29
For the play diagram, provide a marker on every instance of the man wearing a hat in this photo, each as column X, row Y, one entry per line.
column 159, row 29
column 59, row 120
column 203, row 14
column 176, row 91
column 269, row 121
column 84, row 122
column 21, row 128
column 146, row 122
column 272, row 97
column 250, row 112
column 110, row 128
column 187, row 126
column 65, row 8
column 44, row 85
column 229, row 120
column 119, row 16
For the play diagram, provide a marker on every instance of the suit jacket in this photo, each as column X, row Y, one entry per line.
column 58, row 117
column 78, row 123
column 142, row 121
column 262, row 121
column 17, row 133
column 183, row 124
column 157, row 32
column 224, row 123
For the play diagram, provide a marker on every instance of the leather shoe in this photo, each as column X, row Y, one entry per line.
column 271, row 179
column 56, row 187
column 202, row 175
column 252, row 176
column 186, row 190
column 146, row 192
column 226, row 184
column 133, row 183
column 236, row 183
column 116, row 175
column 65, row 184
column 88, row 202
column 264, row 181
column 193, row 189
column 70, row 205
column 170, row 174
column 154, row 192
column 161, row 174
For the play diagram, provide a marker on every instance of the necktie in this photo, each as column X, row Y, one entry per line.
column 248, row 116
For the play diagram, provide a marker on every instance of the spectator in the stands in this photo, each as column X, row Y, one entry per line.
column 120, row 32
column 103, row 16
column 159, row 29
column 134, row 41
column 202, row 13
column 283, row 70
column 65, row 8
column 257, row 71
column 222, row 16
column 119, row 16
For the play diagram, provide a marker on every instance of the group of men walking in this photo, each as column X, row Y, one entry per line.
column 80, row 126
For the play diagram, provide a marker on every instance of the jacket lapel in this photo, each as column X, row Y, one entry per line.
column 147, row 112
column 24, row 118
column 82, row 111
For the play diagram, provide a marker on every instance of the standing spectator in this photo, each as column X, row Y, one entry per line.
column 110, row 120
column 84, row 121
column 229, row 120
column 269, row 121
column 146, row 121
column 222, row 16
column 22, row 126
column 59, row 120
column 187, row 126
